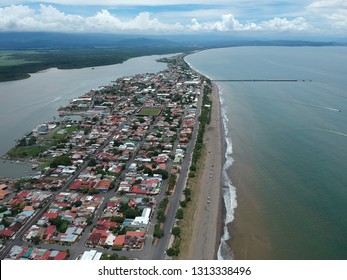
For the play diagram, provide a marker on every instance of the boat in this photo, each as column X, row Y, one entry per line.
column 34, row 166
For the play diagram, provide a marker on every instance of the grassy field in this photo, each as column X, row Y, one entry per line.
column 149, row 112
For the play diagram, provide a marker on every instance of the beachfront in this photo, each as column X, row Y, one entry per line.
column 129, row 149
column 207, row 205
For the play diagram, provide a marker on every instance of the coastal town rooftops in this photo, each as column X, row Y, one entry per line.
column 91, row 255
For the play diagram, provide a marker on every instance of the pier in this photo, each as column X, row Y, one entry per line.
column 262, row 80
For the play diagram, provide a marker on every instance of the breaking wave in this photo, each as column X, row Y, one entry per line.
column 229, row 191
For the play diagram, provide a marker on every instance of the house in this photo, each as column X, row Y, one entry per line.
column 103, row 185
column 49, row 232
column 3, row 194
column 143, row 220
column 134, row 239
column 91, row 255
column 6, row 233
column 119, row 241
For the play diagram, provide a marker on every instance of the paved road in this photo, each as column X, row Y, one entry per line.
column 149, row 251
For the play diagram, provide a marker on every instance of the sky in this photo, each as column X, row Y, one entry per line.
column 157, row 17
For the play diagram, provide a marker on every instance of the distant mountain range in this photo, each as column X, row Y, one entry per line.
column 46, row 40
column 70, row 51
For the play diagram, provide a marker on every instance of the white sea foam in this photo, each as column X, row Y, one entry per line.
column 337, row 133
column 229, row 191
column 55, row 99
column 320, row 107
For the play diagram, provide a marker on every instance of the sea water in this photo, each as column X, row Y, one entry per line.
column 285, row 179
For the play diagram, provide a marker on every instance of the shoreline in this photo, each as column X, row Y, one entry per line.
column 209, row 217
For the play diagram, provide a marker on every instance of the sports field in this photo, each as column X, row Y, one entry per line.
column 155, row 111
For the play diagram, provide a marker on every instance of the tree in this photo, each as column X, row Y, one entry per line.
column 32, row 141
column 112, row 185
column 36, row 240
column 176, row 231
column 163, row 173
column 90, row 220
column 183, row 203
column 92, row 162
column 77, row 203
column 161, row 215
column 170, row 252
column 179, row 214
column 122, row 192
column 187, row 191
column 117, row 219
column 158, row 232
column 63, row 227
column 62, row 160
column 131, row 213
column 93, row 191
column 22, row 142
column 148, row 171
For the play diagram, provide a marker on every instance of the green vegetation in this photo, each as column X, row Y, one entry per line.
column 204, row 120
column 171, row 183
column 62, row 160
column 60, row 223
column 35, row 146
column 7, row 58
column 106, row 256
column 23, row 152
column 149, row 112
column 179, row 214
column 181, row 233
column 15, row 65
column 176, row 231
column 158, row 231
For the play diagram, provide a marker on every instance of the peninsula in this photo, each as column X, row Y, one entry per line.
column 136, row 176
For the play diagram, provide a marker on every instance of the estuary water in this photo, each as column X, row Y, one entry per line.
column 30, row 102
column 285, row 179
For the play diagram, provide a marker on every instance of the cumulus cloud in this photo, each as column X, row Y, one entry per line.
column 49, row 18
column 283, row 24
column 331, row 4
column 119, row 2
column 229, row 23
column 338, row 19
column 332, row 12
column 23, row 18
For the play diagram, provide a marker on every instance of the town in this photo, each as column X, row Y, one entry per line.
column 111, row 172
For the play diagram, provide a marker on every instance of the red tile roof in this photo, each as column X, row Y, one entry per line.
column 135, row 233
column 119, row 240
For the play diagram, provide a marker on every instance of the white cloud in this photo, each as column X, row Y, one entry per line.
column 228, row 23
column 332, row 14
column 283, row 24
column 120, row 2
column 339, row 19
column 49, row 18
column 331, row 4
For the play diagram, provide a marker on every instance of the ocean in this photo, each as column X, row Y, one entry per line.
column 285, row 179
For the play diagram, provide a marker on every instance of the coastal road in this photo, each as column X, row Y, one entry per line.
column 163, row 243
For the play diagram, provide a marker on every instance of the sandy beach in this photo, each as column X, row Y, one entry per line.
column 208, row 216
